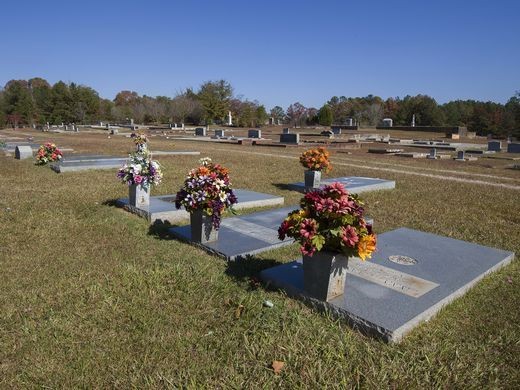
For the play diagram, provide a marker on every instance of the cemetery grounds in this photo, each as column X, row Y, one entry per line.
column 93, row 296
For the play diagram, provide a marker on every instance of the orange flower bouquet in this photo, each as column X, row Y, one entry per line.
column 316, row 159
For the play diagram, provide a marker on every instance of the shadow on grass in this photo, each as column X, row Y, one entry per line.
column 110, row 202
column 160, row 230
column 246, row 269
column 284, row 186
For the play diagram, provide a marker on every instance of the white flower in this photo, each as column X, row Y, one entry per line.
column 219, row 183
column 205, row 161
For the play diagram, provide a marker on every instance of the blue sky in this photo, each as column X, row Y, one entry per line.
column 277, row 52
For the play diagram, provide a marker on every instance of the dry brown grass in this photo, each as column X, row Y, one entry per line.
column 91, row 297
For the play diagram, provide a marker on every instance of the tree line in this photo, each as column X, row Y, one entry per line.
column 36, row 101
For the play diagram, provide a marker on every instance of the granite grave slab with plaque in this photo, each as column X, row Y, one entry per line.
column 410, row 277
column 75, row 163
column 354, row 184
column 162, row 208
column 246, row 235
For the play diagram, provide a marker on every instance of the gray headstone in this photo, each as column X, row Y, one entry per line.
column 348, row 122
column 219, row 133
column 388, row 122
column 200, row 131
column 513, row 147
column 254, row 133
column 23, row 152
column 288, row 138
column 285, row 130
column 409, row 279
column 336, row 129
column 461, row 155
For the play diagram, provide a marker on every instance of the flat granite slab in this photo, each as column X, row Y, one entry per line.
column 84, row 165
column 162, row 208
column 175, row 153
column 70, row 158
column 355, row 184
column 244, row 235
column 247, row 235
column 75, row 163
column 388, row 298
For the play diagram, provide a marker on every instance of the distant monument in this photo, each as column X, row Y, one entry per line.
column 388, row 122
column 230, row 119
column 413, row 120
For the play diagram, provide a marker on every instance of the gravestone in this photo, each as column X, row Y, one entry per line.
column 219, row 133
column 245, row 235
column 353, row 184
column 290, row 138
column 433, row 154
column 114, row 131
column 285, row 130
column 200, row 131
column 513, row 147
column 22, row 152
column 335, row 129
column 162, row 208
column 410, row 277
column 76, row 163
column 461, row 155
column 388, row 122
column 495, row 146
column 230, row 119
column 253, row 133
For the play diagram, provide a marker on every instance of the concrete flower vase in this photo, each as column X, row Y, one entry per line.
column 324, row 275
column 202, row 229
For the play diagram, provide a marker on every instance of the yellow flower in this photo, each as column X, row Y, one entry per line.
column 366, row 246
column 302, row 213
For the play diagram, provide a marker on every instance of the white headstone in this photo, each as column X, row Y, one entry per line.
column 22, row 152
column 230, row 119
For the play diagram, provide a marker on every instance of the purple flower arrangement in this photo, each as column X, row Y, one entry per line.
column 207, row 188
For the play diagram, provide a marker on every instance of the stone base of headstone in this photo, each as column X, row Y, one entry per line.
column 138, row 195
column 409, row 279
column 201, row 228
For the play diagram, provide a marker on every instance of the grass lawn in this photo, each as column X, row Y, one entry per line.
column 92, row 297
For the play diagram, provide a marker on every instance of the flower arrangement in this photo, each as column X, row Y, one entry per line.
column 330, row 218
column 316, row 159
column 140, row 170
column 140, row 141
column 207, row 188
column 48, row 152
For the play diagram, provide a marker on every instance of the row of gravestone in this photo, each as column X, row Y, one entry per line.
column 203, row 132
column 409, row 279
column 496, row 146
column 285, row 137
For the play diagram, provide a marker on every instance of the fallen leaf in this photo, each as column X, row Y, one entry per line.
column 239, row 310
column 277, row 366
